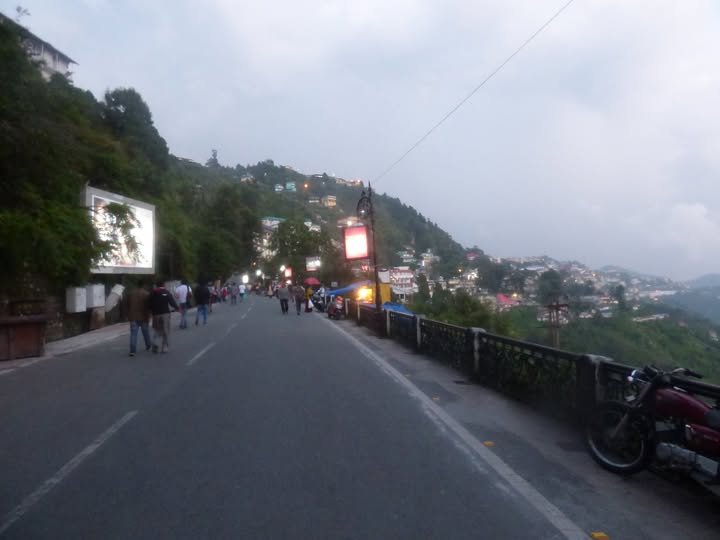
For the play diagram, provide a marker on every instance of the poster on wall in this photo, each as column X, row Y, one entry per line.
column 123, row 260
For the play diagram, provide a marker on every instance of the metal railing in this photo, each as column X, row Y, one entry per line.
column 561, row 381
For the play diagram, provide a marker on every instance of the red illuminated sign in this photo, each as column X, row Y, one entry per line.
column 288, row 272
column 356, row 243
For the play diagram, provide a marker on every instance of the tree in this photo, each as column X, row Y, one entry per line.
column 129, row 118
column 212, row 160
column 550, row 287
column 618, row 294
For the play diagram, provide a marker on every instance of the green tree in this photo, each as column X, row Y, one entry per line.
column 550, row 287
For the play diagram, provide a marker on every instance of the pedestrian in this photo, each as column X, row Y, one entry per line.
column 283, row 294
column 161, row 304
column 138, row 311
column 183, row 294
column 308, row 296
column 234, row 291
column 202, row 299
column 242, row 292
column 299, row 294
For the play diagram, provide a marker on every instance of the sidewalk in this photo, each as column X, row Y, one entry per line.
column 61, row 347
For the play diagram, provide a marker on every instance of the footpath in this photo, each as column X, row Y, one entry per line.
column 65, row 346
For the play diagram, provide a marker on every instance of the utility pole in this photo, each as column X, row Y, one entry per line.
column 554, row 311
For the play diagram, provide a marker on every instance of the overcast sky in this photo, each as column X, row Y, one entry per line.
column 600, row 142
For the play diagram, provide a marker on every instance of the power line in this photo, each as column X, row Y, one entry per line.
column 474, row 91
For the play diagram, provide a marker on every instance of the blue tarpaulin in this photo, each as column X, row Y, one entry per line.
column 349, row 288
column 397, row 307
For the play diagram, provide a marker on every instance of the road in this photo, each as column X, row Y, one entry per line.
column 261, row 425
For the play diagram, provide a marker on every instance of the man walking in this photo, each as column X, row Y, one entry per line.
column 202, row 299
column 138, row 312
column 284, row 295
column 161, row 302
column 299, row 295
column 241, row 291
column 183, row 294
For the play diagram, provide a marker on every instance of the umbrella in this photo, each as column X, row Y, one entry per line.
column 311, row 281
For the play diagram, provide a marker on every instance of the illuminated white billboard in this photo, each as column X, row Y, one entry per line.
column 123, row 260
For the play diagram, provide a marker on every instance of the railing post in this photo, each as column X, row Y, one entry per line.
column 387, row 322
column 589, row 389
column 476, row 348
column 418, row 332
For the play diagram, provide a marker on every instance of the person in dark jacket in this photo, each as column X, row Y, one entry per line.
column 202, row 299
column 161, row 302
column 138, row 312
column 299, row 295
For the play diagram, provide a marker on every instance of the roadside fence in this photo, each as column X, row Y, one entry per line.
column 564, row 383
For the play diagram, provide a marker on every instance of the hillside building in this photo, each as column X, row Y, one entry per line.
column 49, row 60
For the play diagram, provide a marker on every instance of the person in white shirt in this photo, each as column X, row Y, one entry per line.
column 183, row 294
column 242, row 291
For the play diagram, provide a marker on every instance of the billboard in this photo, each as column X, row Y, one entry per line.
column 356, row 243
column 290, row 186
column 312, row 264
column 122, row 261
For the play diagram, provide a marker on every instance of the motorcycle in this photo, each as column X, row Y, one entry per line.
column 336, row 309
column 318, row 302
column 658, row 425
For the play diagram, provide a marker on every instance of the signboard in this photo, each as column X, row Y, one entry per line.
column 290, row 186
column 122, row 260
column 356, row 243
column 288, row 273
column 312, row 264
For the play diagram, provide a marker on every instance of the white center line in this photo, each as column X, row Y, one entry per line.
column 6, row 371
column 473, row 447
column 232, row 326
column 243, row 315
column 59, row 476
column 198, row 355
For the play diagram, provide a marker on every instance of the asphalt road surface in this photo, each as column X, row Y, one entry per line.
column 263, row 425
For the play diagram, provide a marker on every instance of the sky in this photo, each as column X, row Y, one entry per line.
column 599, row 142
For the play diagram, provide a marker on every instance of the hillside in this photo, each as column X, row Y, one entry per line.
column 708, row 280
column 55, row 139
column 679, row 340
column 703, row 302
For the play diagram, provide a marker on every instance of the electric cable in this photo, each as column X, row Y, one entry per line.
column 474, row 91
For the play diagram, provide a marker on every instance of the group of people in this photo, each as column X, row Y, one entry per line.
column 158, row 304
column 300, row 296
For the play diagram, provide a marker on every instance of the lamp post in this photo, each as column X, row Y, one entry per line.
column 365, row 209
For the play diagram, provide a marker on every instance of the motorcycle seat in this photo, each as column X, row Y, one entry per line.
column 712, row 419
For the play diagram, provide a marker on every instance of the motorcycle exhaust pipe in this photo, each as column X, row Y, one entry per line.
column 687, row 458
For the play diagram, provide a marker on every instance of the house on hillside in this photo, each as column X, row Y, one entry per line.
column 329, row 201
column 49, row 60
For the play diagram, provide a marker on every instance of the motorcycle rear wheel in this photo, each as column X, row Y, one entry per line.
column 627, row 453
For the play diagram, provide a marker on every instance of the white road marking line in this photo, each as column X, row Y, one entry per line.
column 232, row 327
column 243, row 315
column 198, row 355
column 6, row 371
column 446, row 422
column 59, row 476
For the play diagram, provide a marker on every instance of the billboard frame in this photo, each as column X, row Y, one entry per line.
column 88, row 196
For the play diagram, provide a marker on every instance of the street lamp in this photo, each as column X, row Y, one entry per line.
column 365, row 209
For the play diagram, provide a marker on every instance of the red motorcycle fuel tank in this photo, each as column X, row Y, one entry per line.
column 679, row 404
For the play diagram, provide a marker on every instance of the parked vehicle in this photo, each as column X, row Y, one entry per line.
column 658, row 424
column 318, row 302
column 336, row 309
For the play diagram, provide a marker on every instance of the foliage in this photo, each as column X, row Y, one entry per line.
column 676, row 341
column 460, row 309
column 550, row 287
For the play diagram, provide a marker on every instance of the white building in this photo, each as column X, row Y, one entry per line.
column 49, row 60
